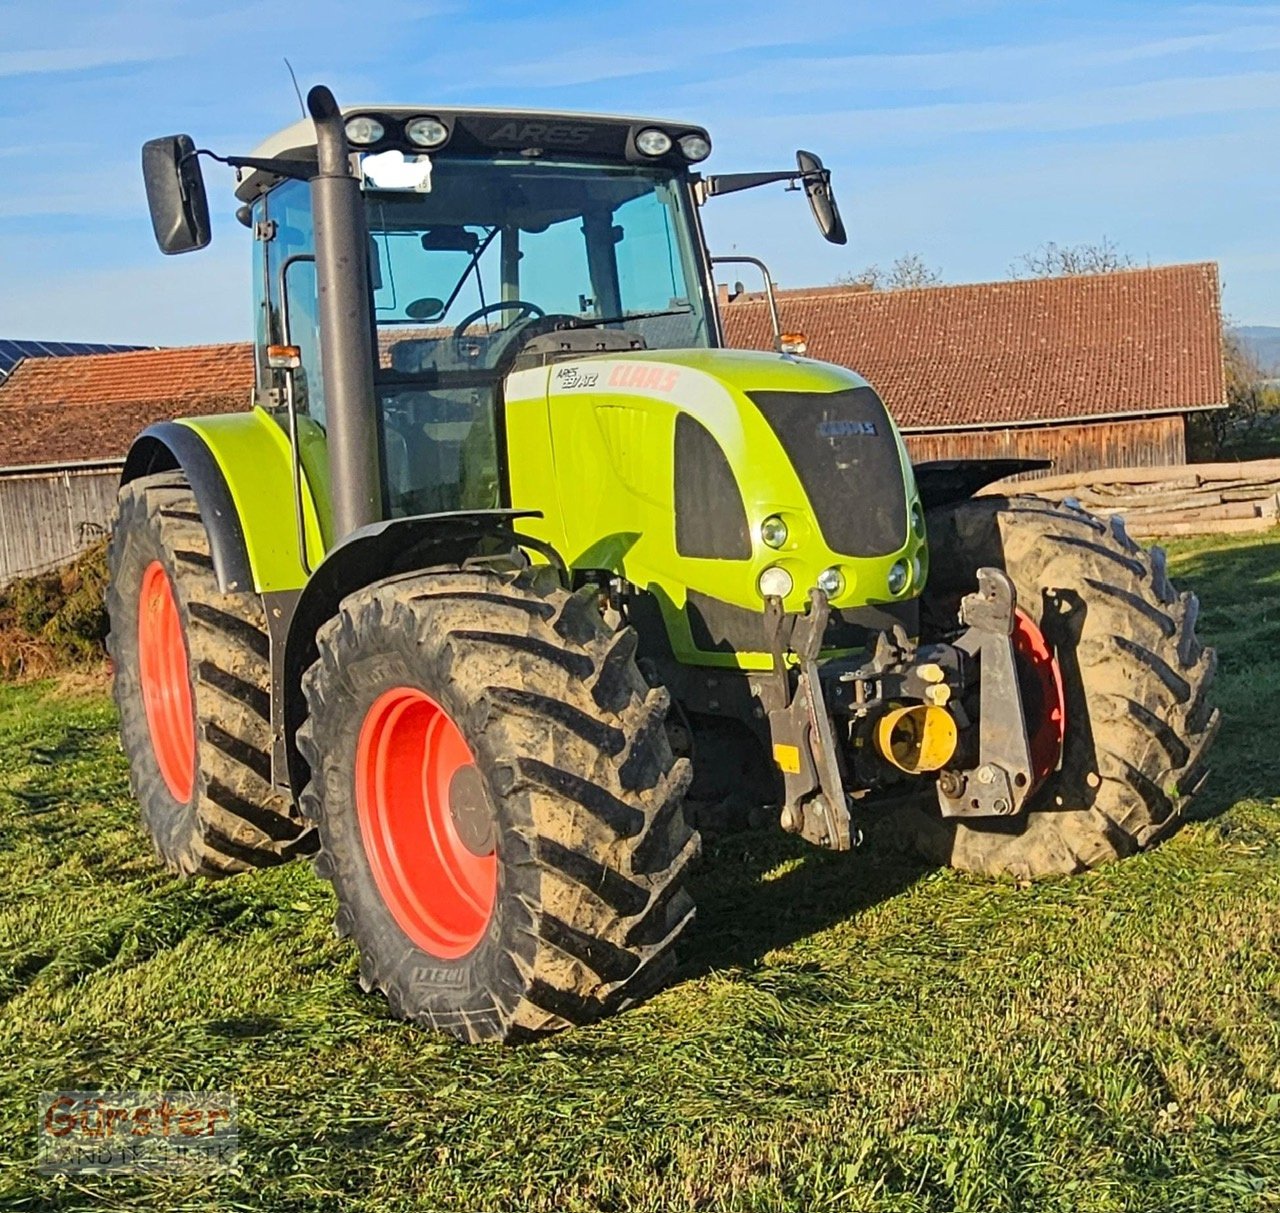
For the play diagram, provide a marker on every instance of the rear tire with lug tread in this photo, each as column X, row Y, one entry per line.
column 200, row 767
column 590, row 847
column 1136, row 681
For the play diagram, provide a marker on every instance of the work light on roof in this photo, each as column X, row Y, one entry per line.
column 426, row 132
column 364, row 130
column 653, row 142
column 695, row 147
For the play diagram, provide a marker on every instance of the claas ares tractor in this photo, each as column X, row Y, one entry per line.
column 510, row 549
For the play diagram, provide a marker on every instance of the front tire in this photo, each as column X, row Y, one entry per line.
column 499, row 810
column 1136, row 681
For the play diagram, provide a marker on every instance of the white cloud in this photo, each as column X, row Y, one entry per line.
column 1162, row 101
column 68, row 59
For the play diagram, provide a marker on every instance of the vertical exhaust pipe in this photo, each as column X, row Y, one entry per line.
column 346, row 332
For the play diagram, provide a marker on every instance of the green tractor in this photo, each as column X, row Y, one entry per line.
column 510, row 548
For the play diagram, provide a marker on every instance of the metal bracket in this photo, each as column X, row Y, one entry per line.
column 815, row 805
column 1000, row 783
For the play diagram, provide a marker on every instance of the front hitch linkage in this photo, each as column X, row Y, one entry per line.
column 815, row 805
column 1001, row 782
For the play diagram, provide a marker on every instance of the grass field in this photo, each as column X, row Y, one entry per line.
column 849, row 1032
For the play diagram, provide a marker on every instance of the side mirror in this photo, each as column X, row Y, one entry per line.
column 175, row 194
column 821, row 200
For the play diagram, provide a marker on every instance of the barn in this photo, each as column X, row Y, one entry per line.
column 1089, row 371
column 1098, row 370
column 66, row 422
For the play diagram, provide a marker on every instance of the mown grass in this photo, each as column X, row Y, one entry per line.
column 850, row 1032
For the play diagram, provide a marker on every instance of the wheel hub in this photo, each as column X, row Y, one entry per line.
column 426, row 822
column 469, row 808
column 166, row 683
column 1040, row 680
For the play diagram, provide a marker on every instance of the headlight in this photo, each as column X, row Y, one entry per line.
column 831, row 582
column 775, row 582
column 773, row 531
column 917, row 519
column 653, row 142
column 695, row 147
column 426, row 132
column 899, row 575
column 364, row 130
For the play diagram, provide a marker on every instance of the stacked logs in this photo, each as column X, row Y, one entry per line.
column 1190, row 499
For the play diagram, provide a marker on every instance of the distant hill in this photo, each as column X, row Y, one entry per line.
column 1263, row 342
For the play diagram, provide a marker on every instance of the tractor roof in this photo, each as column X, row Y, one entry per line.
column 605, row 137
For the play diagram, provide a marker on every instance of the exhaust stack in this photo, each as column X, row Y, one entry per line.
column 346, row 332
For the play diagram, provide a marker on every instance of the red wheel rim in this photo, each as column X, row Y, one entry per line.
column 166, row 682
column 408, row 765
column 1043, row 700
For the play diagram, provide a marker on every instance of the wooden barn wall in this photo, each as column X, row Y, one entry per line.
column 46, row 517
column 1144, row 442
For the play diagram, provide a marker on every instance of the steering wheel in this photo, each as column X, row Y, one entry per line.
column 523, row 309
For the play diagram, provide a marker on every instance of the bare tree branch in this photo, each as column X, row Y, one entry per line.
column 907, row 273
column 1053, row 260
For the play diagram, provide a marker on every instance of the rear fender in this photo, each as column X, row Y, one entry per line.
column 947, row 481
column 240, row 470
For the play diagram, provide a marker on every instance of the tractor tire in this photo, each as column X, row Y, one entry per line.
column 192, row 683
column 499, row 810
column 1135, row 686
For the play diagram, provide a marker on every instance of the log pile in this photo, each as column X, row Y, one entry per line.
column 1190, row 499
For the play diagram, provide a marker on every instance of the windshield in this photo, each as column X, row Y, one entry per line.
column 481, row 256
column 495, row 250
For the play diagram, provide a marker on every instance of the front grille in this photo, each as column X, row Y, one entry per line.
column 843, row 449
column 711, row 520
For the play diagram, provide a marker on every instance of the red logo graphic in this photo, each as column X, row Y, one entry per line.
column 642, row 375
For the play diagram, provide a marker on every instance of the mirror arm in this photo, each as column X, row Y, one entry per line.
column 299, row 170
column 731, row 183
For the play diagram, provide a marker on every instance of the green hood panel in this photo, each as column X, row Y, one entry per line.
column 595, row 451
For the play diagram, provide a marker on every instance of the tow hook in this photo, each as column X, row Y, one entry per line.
column 1002, row 780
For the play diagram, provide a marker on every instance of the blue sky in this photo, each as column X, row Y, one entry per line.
column 968, row 132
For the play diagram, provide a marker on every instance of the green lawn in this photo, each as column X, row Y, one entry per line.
column 850, row 1032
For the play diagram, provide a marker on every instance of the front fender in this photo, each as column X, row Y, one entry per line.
column 400, row 546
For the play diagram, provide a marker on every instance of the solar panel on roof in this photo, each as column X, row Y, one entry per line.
column 13, row 352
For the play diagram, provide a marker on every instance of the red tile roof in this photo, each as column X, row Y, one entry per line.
column 1010, row 353
column 993, row 354
column 55, row 410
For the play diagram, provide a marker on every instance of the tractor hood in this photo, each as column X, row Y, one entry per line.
column 667, row 464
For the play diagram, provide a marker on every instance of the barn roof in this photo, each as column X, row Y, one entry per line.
column 979, row 356
column 55, row 410
column 15, row 350
column 1029, row 352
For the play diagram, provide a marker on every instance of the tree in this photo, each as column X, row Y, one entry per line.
column 1251, row 412
column 1058, row 261
column 907, row 273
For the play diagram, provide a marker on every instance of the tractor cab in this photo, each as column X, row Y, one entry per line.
column 485, row 231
